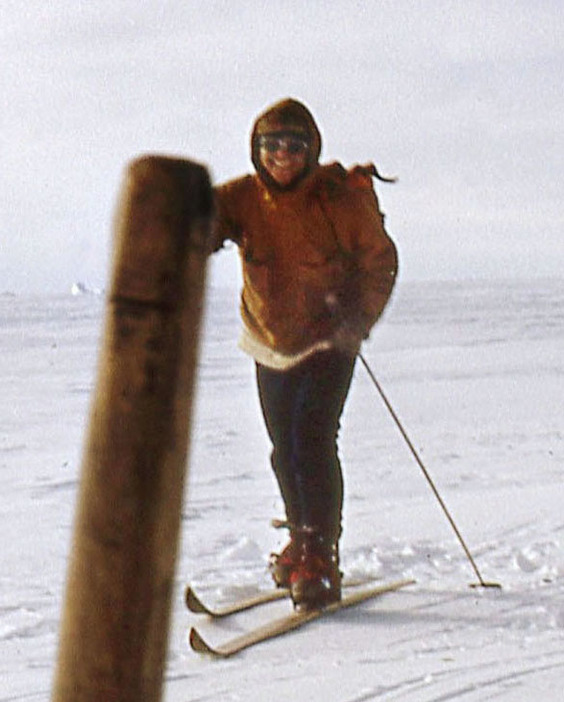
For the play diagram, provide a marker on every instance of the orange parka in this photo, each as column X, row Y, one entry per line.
column 305, row 248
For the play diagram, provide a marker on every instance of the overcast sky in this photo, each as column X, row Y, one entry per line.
column 463, row 101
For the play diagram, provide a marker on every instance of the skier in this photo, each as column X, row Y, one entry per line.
column 318, row 270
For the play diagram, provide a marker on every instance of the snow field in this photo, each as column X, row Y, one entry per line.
column 474, row 370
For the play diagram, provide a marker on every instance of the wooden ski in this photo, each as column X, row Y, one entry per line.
column 288, row 623
column 196, row 605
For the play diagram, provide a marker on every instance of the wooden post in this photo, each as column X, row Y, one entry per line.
column 114, row 634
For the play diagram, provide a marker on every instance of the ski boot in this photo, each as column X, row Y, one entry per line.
column 315, row 579
column 282, row 564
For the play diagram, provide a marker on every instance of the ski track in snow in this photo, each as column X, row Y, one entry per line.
column 475, row 372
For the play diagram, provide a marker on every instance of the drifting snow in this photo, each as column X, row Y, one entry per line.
column 475, row 372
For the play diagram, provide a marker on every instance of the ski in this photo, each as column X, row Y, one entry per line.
column 288, row 623
column 196, row 605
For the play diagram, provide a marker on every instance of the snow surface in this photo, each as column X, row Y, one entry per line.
column 474, row 370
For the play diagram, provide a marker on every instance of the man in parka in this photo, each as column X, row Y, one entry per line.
column 318, row 270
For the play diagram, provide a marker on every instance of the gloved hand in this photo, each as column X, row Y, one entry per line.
column 350, row 329
column 347, row 339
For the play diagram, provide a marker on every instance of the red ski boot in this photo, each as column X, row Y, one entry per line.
column 315, row 580
column 282, row 564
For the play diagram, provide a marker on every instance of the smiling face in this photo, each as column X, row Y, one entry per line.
column 285, row 144
column 284, row 158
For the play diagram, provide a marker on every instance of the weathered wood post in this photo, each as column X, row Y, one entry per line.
column 114, row 634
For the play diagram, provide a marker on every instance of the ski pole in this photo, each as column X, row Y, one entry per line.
column 481, row 582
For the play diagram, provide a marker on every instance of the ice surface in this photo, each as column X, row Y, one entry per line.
column 476, row 373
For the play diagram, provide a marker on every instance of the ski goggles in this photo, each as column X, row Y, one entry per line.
column 291, row 145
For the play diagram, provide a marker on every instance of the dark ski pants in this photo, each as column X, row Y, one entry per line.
column 302, row 408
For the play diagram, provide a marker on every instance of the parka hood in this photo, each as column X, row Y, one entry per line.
column 286, row 117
